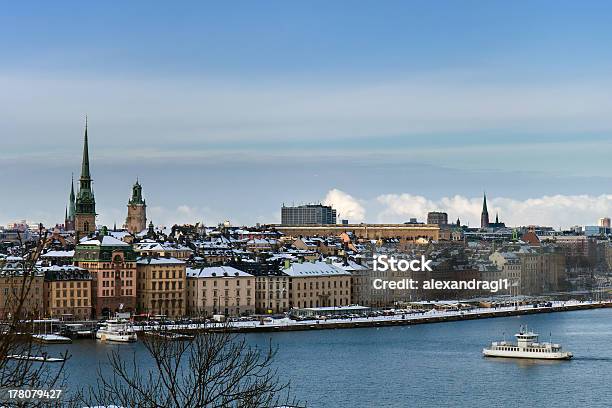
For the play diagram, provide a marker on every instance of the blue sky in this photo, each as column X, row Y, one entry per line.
column 226, row 110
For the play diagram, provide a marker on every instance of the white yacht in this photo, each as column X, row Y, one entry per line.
column 527, row 346
column 116, row 330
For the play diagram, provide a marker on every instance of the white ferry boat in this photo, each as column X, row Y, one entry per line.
column 527, row 346
column 116, row 330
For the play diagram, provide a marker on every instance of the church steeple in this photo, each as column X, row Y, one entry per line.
column 85, row 206
column 484, row 216
column 71, row 201
column 85, row 164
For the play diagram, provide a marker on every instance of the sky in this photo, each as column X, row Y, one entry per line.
column 386, row 110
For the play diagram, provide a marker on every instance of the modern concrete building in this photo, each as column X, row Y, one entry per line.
column 437, row 217
column 310, row 214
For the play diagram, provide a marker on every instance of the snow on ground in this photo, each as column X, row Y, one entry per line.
column 285, row 322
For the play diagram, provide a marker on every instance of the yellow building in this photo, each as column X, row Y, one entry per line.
column 317, row 284
column 272, row 293
column 220, row 290
column 162, row 287
column 12, row 281
column 405, row 232
column 67, row 292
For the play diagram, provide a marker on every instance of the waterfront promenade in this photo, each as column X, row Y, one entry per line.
column 432, row 316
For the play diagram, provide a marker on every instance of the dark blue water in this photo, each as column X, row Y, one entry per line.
column 432, row 365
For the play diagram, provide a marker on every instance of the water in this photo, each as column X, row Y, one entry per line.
column 431, row 365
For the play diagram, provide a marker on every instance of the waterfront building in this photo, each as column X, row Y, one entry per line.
column 272, row 292
column 162, row 285
column 12, row 276
column 310, row 214
column 542, row 270
column 67, row 292
column 437, row 217
column 362, row 289
column 112, row 264
column 509, row 264
column 317, row 284
column 136, row 220
column 220, row 290
column 85, row 204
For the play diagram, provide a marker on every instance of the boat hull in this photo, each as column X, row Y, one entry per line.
column 117, row 338
column 563, row 355
column 51, row 339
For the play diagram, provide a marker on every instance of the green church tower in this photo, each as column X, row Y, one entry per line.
column 85, row 207
column 136, row 220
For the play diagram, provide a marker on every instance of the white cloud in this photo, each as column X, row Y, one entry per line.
column 555, row 210
column 347, row 206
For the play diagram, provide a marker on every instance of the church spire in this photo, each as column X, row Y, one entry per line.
column 85, row 164
column 484, row 204
column 484, row 217
column 72, row 196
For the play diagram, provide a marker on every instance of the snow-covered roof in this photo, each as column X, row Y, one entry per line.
column 349, row 265
column 216, row 272
column 107, row 240
column 119, row 234
column 159, row 261
column 314, row 269
column 58, row 254
column 64, row 268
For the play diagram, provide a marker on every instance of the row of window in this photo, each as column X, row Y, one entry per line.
column 111, row 292
column 64, row 293
column 120, row 274
column 69, row 284
column 73, row 303
column 110, row 284
column 165, row 285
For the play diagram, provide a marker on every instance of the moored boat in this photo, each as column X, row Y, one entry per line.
column 527, row 346
column 167, row 335
column 116, row 330
column 39, row 359
column 51, row 339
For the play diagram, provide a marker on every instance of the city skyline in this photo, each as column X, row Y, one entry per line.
column 556, row 210
column 401, row 108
